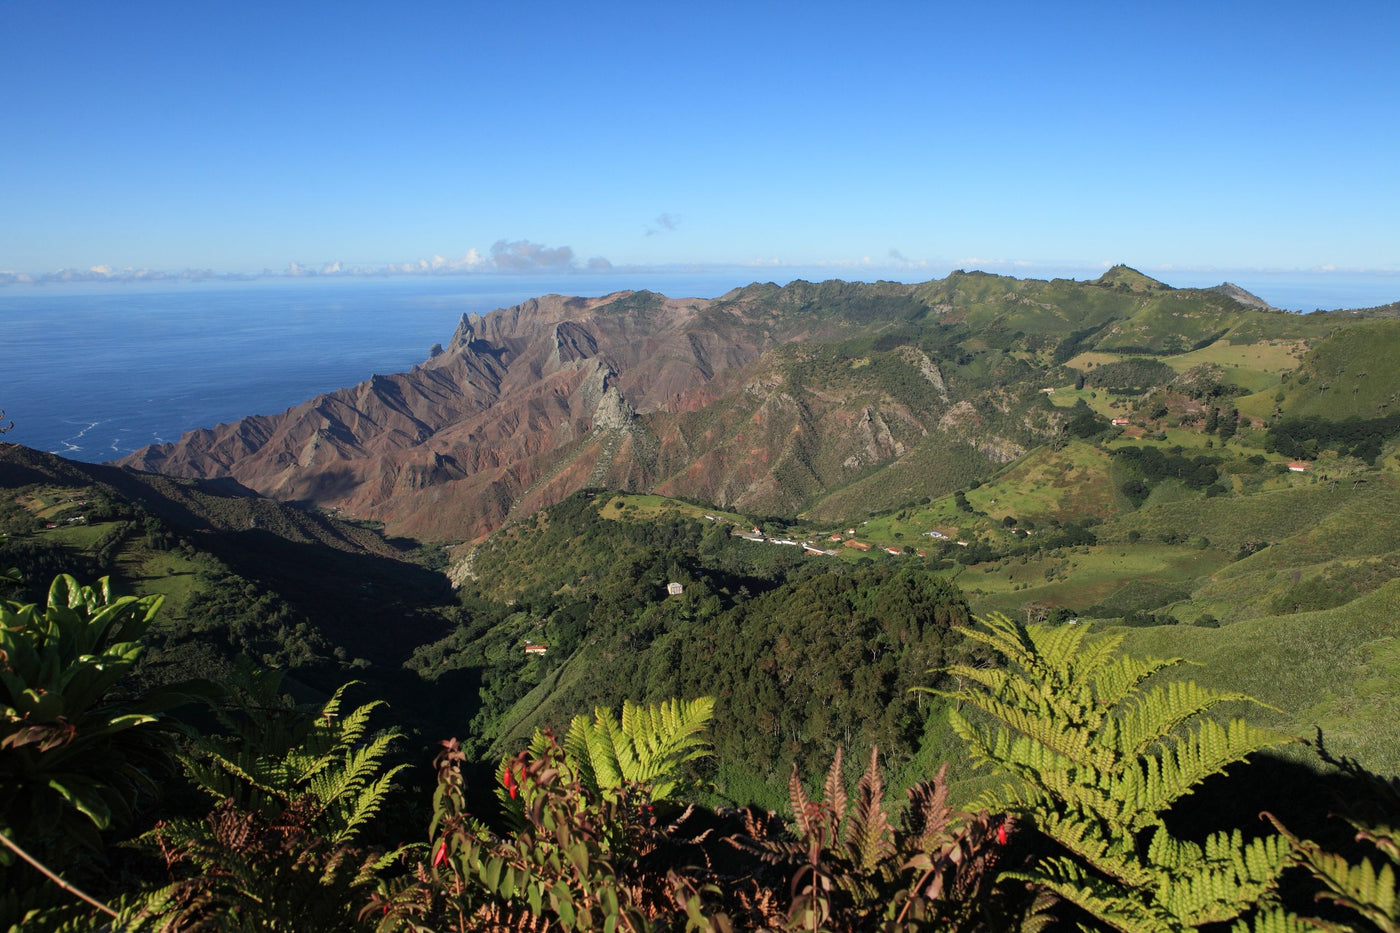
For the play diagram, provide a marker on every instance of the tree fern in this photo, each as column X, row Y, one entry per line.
column 295, row 787
column 647, row 748
column 1099, row 753
column 278, row 754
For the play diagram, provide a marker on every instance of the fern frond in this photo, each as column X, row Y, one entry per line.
column 1362, row 887
column 1155, row 713
column 870, row 833
column 1278, row 920
column 1115, row 682
column 1110, row 854
column 928, row 815
column 1231, row 878
column 1103, row 899
column 1153, row 783
column 647, row 747
column 834, row 790
column 802, row 810
column 1097, row 758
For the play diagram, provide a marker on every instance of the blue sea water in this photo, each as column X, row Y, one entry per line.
column 96, row 372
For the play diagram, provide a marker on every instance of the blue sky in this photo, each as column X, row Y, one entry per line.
column 874, row 136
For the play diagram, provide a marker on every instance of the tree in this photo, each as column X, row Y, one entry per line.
column 1229, row 423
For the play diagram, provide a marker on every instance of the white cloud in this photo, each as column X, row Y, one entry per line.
column 524, row 256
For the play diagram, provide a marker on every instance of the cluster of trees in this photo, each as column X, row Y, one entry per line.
column 1084, row 422
column 1148, row 466
column 802, row 652
column 1222, row 422
column 1132, row 376
column 1304, row 438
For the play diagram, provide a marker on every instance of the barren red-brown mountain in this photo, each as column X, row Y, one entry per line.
column 752, row 400
column 524, row 405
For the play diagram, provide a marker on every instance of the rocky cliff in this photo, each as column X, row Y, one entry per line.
column 538, row 398
column 835, row 397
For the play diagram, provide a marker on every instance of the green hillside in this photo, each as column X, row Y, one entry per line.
column 1334, row 669
column 1353, row 373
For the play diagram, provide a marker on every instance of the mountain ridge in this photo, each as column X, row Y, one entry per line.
column 766, row 398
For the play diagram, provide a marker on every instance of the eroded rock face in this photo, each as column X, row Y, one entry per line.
column 691, row 397
column 446, row 450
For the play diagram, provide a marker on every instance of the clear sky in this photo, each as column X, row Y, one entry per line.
column 240, row 137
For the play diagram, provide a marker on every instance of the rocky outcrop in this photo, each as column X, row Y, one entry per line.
column 446, row 450
column 927, row 368
column 1245, row 298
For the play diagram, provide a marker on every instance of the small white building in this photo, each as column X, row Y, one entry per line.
column 674, row 589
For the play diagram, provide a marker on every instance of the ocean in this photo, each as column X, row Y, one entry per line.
column 95, row 372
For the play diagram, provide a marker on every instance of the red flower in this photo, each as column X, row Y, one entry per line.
column 509, row 780
column 1001, row 834
column 441, row 855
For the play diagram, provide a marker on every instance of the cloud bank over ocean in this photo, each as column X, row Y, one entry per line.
column 1317, row 287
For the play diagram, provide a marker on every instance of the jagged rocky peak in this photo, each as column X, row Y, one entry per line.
column 614, row 413
column 465, row 333
column 1240, row 295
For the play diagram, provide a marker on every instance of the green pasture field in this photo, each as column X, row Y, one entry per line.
column 1231, row 521
column 1093, row 359
column 1068, row 484
column 644, row 507
column 163, row 573
column 1102, row 402
column 48, row 501
column 1084, row 576
column 78, row 537
column 1350, row 374
column 1175, row 437
column 1251, row 366
column 907, row 526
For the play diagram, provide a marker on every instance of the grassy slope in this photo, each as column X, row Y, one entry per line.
column 1069, row 484
column 1232, row 521
column 1336, row 669
column 1127, row 576
column 1352, row 373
